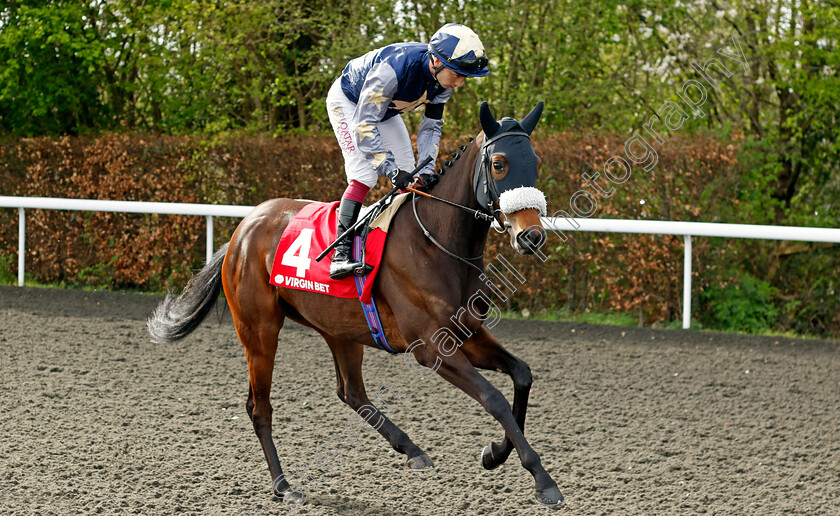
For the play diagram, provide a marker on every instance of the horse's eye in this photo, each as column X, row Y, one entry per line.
column 500, row 166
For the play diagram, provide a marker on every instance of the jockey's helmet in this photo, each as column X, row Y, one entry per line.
column 460, row 50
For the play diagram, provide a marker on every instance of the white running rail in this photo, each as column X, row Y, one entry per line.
column 163, row 208
column 648, row 227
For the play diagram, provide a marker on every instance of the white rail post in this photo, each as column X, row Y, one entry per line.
column 21, row 244
column 687, row 282
column 209, row 238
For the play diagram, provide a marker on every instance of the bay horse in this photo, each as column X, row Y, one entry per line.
column 432, row 275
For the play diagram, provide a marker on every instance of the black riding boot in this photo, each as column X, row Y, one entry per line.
column 342, row 262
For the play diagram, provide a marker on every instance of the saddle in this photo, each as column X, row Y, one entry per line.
column 310, row 232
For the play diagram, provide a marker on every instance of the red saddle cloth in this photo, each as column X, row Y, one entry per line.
column 306, row 236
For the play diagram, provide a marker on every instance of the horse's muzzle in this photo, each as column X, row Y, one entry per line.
column 527, row 235
column 530, row 240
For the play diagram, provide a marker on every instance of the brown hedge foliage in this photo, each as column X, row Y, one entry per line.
column 696, row 179
column 628, row 273
column 147, row 251
column 640, row 274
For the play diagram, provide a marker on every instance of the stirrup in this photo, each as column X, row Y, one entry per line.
column 363, row 269
column 340, row 270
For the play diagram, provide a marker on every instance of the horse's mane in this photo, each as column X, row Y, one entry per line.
column 458, row 160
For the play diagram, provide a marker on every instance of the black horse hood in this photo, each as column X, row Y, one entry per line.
column 507, row 140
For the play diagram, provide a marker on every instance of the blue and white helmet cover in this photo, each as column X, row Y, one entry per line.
column 460, row 50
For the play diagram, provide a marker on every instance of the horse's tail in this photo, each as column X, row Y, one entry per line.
column 177, row 317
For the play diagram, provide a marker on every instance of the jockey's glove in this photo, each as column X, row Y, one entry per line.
column 429, row 181
column 400, row 178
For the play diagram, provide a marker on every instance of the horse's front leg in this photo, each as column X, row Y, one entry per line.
column 485, row 352
column 457, row 370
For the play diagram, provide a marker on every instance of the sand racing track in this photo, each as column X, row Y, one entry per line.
column 97, row 419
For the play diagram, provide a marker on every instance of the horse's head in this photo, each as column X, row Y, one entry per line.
column 505, row 178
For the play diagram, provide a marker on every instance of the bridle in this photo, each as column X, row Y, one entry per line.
column 486, row 190
column 486, row 193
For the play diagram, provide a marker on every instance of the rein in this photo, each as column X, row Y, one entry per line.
column 488, row 200
column 475, row 213
column 467, row 261
column 488, row 213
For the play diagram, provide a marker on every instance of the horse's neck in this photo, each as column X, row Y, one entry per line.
column 459, row 230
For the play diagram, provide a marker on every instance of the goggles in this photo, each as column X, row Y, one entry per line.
column 468, row 64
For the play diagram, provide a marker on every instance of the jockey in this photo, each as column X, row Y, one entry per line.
column 364, row 106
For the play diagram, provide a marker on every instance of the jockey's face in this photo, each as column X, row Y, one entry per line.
column 446, row 77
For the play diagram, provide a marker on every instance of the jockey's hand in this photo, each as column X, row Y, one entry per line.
column 400, row 178
column 428, row 180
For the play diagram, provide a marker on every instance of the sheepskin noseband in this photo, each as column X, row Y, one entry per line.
column 522, row 198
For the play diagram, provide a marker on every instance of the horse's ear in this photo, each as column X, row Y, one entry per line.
column 488, row 123
column 530, row 121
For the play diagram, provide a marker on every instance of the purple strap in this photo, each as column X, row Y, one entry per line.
column 371, row 313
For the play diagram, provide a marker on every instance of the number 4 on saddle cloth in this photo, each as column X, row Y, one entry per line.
column 311, row 231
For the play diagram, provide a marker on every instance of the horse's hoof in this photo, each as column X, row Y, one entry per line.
column 550, row 497
column 292, row 497
column 487, row 459
column 420, row 463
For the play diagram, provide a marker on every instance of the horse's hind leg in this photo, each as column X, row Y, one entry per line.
column 260, row 368
column 258, row 319
column 351, row 390
column 485, row 352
